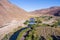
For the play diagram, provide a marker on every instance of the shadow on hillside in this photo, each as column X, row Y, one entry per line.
column 55, row 37
column 42, row 38
column 57, row 14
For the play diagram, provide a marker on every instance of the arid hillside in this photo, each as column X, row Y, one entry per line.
column 55, row 11
column 10, row 12
column 11, row 17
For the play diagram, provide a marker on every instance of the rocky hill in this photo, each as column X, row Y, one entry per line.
column 10, row 12
column 55, row 10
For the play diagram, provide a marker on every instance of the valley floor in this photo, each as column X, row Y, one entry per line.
column 9, row 28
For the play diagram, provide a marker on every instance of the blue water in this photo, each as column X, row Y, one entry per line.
column 32, row 21
column 14, row 36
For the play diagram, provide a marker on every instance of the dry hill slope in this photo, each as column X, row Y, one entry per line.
column 10, row 12
column 55, row 11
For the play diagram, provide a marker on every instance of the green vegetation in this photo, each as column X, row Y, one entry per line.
column 7, row 36
column 22, row 33
column 39, row 21
column 32, row 36
column 50, row 38
column 34, row 33
column 36, row 27
column 26, row 22
column 56, row 24
column 29, row 36
column 59, row 22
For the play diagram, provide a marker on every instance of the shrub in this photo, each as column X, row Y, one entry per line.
column 26, row 22
column 50, row 38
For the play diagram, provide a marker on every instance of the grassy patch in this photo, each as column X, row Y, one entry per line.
column 22, row 33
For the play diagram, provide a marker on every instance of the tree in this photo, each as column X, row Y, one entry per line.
column 26, row 22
